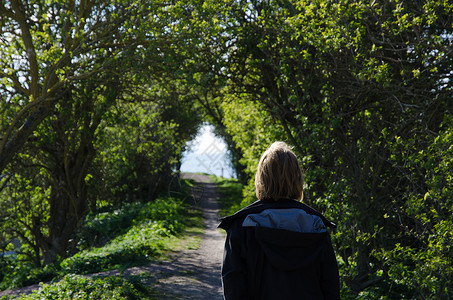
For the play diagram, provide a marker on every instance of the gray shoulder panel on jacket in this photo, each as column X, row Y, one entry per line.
column 291, row 219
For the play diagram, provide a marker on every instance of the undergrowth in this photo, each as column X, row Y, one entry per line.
column 145, row 238
column 94, row 288
column 121, row 237
column 230, row 195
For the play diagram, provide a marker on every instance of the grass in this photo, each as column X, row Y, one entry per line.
column 230, row 195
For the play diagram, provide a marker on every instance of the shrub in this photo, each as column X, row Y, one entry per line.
column 79, row 287
column 18, row 274
column 100, row 228
column 144, row 239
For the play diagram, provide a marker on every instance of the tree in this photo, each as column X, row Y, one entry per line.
column 346, row 80
column 66, row 65
column 60, row 154
column 51, row 50
column 47, row 48
column 140, row 146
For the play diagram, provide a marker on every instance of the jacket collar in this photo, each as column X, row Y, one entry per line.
column 261, row 205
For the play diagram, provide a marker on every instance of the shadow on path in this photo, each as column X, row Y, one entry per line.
column 192, row 274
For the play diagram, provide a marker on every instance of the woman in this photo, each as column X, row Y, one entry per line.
column 278, row 247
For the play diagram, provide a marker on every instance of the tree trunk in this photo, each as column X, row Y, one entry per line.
column 68, row 200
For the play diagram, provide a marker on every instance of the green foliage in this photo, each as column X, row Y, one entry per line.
column 141, row 241
column 363, row 92
column 99, row 228
column 23, row 204
column 422, row 259
column 79, row 287
column 58, row 45
column 63, row 75
column 129, row 235
column 253, row 130
column 138, row 149
column 18, row 273
column 230, row 195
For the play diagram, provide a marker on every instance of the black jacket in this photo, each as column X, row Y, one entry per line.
column 278, row 250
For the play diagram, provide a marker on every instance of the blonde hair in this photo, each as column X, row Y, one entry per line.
column 279, row 174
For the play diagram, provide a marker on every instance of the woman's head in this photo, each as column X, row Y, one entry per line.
column 279, row 174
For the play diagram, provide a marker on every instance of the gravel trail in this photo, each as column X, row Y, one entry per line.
column 195, row 274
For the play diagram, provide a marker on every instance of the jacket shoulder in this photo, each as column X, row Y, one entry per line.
column 261, row 205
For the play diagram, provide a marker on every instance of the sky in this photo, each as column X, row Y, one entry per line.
column 207, row 154
column 207, row 142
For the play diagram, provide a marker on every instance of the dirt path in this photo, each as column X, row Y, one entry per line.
column 191, row 273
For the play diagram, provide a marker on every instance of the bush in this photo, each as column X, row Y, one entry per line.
column 166, row 211
column 138, row 245
column 144, row 239
column 79, row 287
column 18, row 274
column 100, row 228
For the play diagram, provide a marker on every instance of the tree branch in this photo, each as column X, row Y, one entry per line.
column 17, row 5
column 7, row 12
column 18, row 117
column 19, row 88
column 12, row 145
